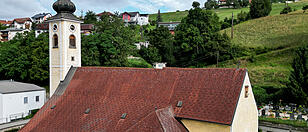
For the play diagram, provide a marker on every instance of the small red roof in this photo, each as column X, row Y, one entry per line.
column 105, row 13
column 87, row 26
column 149, row 97
column 42, row 26
column 22, row 20
column 5, row 22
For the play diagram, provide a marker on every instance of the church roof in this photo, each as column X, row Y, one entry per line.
column 9, row 86
column 135, row 99
column 65, row 10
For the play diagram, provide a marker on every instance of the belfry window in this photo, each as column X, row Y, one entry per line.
column 73, row 42
column 55, row 41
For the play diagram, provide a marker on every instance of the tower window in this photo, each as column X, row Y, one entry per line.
column 246, row 91
column 73, row 42
column 73, row 58
column 55, row 41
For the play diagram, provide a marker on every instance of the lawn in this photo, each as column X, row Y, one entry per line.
column 270, row 43
column 223, row 13
column 293, row 123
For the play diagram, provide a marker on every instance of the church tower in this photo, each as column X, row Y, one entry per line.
column 64, row 42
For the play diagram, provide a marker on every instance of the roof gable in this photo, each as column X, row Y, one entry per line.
column 207, row 94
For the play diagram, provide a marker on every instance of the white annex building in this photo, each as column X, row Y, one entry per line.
column 17, row 100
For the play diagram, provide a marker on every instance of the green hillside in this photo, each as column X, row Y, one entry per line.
column 270, row 43
column 222, row 13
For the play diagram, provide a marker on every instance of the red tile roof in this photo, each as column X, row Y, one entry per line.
column 42, row 26
column 105, row 13
column 87, row 26
column 22, row 20
column 209, row 95
column 5, row 22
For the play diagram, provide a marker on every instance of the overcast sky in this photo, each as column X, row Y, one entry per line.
column 11, row 9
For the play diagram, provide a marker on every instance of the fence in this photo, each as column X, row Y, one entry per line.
column 13, row 117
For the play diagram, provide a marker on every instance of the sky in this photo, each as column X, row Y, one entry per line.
column 11, row 9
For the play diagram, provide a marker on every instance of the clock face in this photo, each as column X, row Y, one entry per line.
column 72, row 28
column 55, row 27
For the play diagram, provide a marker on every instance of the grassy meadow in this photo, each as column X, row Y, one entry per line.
column 223, row 13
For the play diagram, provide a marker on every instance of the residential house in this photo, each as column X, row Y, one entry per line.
column 135, row 18
column 98, row 16
column 17, row 100
column 138, row 99
column 22, row 23
column 19, row 25
column 41, row 28
column 41, row 17
column 140, row 44
column 170, row 25
column 6, row 23
column 87, row 29
column 10, row 33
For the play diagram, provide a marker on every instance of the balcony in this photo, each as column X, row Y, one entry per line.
column 4, row 40
column 4, row 35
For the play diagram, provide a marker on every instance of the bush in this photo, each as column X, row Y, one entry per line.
column 286, row 10
column 305, row 8
column 260, row 8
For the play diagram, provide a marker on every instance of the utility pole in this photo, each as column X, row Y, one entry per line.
column 232, row 26
column 217, row 59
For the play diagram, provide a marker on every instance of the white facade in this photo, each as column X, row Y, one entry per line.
column 41, row 18
column 63, row 56
column 13, row 105
column 12, row 32
column 143, row 20
column 22, row 25
column 145, row 44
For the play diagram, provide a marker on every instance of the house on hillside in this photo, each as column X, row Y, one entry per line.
column 6, row 23
column 41, row 17
column 10, row 33
column 17, row 100
column 98, row 16
column 170, row 25
column 19, row 25
column 135, row 18
column 137, row 99
column 22, row 23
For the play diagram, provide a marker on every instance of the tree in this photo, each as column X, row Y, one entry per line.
column 161, row 39
column 3, row 27
column 210, row 4
column 25, row 58
column 305, row 8
column 196, row 4
column 260, row 8
column 159, row 19
column 298, row 79
column 150, row 54
column 110, row 45
column 90, row 18
column 286, row 10
column 197, row 40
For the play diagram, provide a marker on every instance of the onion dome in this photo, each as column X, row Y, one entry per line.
column 64, row 6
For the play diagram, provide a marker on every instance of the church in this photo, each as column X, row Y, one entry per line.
column 136, row 99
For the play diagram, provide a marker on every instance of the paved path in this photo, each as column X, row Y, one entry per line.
column 13, row 124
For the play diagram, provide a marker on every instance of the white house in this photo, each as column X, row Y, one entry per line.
column 145, row 44
column 17, row 100
column 40, row 18
column 10, row 33
column 135, row 18
column 22, row 23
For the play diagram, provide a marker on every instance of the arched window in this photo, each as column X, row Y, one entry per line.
column 72, row 41
column 55, row 41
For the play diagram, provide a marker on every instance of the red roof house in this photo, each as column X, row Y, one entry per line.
column 142, row 100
